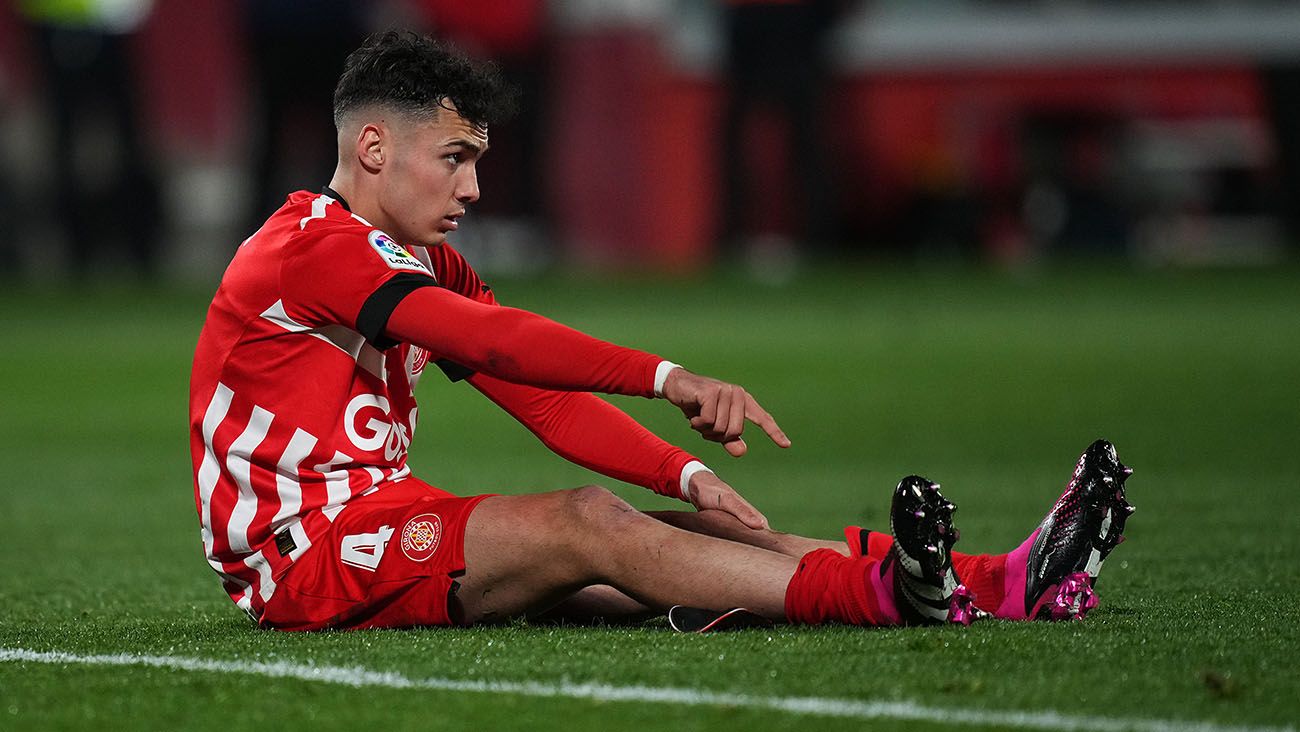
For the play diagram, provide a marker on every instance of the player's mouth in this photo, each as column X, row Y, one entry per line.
column 452, row 222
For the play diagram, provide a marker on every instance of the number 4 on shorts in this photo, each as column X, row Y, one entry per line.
column 365, row 550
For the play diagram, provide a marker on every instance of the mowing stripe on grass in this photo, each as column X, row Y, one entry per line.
column 357, row 676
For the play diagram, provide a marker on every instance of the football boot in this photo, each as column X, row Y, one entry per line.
column 1053, row 574
column 926, row 589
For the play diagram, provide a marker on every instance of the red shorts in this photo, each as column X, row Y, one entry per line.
column 387, row 561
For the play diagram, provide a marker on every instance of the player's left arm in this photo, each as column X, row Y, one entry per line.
column 588, row 431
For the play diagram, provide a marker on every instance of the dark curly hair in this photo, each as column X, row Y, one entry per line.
column 415, row 74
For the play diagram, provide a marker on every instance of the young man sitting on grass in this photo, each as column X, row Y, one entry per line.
column 302, row 407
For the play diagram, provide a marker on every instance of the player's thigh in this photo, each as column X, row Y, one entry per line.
column 526, row 554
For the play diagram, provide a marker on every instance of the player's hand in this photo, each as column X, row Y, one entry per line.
column 708, row 491
column 718, row 410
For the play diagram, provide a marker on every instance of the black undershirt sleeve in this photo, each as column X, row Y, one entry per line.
column 379, row 307
column 453, row 370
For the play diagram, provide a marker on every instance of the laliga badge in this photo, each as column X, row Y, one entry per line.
column 421, row 536
column 394, row 254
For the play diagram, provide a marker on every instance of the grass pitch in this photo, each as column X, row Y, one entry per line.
column 990, row 384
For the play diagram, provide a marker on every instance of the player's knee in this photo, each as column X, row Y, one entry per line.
column 597, row 508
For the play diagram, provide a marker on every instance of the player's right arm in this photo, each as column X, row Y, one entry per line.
column 332, row 275
column 525, row 348
column 518, row 346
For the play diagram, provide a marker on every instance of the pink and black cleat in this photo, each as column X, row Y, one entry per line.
column 926, row 589
column 1052, row 575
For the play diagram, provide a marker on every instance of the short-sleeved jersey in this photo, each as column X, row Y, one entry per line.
column 297, row 401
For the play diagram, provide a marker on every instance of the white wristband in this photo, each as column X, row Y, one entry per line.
column 661, row 375
column 690, row 469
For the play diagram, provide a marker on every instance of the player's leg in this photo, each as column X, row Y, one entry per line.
column 924, row 585
column 597, row 604
column 524, row 554
column 723, row 525
column 607, row 604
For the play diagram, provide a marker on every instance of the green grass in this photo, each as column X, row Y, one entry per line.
column 988, row 383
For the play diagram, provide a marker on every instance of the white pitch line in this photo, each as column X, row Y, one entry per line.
column 357, row 676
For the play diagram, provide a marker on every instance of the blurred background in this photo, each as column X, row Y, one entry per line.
column 146, row 138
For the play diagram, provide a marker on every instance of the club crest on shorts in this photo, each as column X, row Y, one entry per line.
column 394, row 254
column 421, row 536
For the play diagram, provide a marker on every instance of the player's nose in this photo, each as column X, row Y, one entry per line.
column 467, row 186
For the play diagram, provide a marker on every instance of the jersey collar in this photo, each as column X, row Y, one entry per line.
column 335, row 195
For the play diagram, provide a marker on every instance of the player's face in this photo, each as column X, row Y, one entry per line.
column 432, row 177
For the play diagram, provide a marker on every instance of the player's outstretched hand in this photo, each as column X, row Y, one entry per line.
column 710, row 491
column 718, row 410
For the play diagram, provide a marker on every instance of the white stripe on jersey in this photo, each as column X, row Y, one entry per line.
column 340, row 336
column 337, row 489
column 300, row 539
column 318, row 205
column 239, row 463
column 245, row 602
column 287, row 477
column 277, row 315
column 210, row 469
column 226, row 577
column 354, row 344
column 265, row 585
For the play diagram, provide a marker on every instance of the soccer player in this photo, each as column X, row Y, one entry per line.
column 302, row 408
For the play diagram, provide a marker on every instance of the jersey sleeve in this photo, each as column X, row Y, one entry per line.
column 352, row 276
column 584, row 429
column 456, row 274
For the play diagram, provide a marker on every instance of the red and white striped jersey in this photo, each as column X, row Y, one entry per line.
column 297, row 402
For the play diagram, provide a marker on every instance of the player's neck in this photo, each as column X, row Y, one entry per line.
column 356, row 199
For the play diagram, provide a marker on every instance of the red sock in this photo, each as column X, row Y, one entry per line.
column 867, row 543
column 830, row 587
column 983, row 574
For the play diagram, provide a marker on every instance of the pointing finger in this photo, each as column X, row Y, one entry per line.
column 760, row 417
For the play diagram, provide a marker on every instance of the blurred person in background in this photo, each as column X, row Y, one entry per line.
column 1282, row 87
column 106, row 188
column 8, row 217
column 511, row 222
column 294, row 55
column 776, row 64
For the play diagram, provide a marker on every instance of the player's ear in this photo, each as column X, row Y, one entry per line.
column 372, row 143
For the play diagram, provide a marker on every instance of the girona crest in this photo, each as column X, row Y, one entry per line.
column 421, row 536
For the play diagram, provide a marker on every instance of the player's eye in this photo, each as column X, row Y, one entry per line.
column 454, row 158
